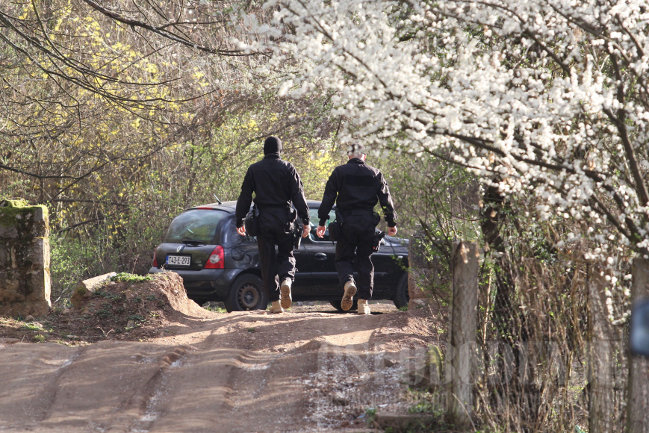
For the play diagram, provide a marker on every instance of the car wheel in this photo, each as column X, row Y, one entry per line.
column 247, row 293
column 401, row 296
column 336, row 305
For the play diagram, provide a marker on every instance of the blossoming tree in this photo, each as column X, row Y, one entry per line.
column 543, row 97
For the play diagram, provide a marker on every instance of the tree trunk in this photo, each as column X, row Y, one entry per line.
column 516, row 389
column 601, row 405
column 491, row 220
column 461, row 354
column 638, row 385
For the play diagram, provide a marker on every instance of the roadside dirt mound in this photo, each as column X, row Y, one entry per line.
column 131, row 309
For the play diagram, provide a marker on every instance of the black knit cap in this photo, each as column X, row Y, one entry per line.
column 272, row 145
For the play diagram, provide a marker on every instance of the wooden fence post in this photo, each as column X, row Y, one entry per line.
column 638, row 385
column 601, row 407
column 462, row 345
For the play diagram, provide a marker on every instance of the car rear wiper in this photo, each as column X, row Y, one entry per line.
column 192, row 242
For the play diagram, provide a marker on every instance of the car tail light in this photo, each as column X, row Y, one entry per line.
column 216, row 259
column 155, row 260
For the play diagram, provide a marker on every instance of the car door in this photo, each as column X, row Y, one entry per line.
column 316, row 277
column 390, row 263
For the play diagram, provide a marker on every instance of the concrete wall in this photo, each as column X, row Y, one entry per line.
column 24, row 259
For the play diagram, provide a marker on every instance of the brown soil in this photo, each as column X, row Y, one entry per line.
column 142, row 357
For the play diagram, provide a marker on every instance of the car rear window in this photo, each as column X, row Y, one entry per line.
column 313, row 215
column 196, row 225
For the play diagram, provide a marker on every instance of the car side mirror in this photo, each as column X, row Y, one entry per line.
column 639, row 332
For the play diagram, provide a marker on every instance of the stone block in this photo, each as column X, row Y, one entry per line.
column 86, row 287
column 24, row 259
column 8, row 231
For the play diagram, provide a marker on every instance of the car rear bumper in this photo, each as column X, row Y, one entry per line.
column 212, row 284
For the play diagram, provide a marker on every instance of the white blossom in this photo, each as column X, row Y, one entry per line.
column 550, row 95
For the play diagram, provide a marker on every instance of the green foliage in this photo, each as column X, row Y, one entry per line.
column 151, row 130
column 14, row 203
column 33, row 326
column 71, row 260
column 370, row 415
column 105, row 312
column 423, row 406
column 114, row 297
column 534, row 291
column 215, row 307
column 115, row 159
column 10, row 208
column 426, row 402
column 433, row 197
column 136, row 318
column 130, row 278
column 437, row 204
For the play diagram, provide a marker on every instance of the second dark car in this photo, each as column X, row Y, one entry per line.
column 217, row 264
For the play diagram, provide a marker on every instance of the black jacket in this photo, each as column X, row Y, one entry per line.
column 276, row 184
column 356, row 186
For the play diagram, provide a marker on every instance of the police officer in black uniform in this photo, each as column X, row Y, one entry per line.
column 356, row 187
column 276, row 185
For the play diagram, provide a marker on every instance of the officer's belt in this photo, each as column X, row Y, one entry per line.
column 278, row 206
column 356, row 212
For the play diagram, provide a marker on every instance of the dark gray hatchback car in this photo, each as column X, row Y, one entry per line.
column 217, row 264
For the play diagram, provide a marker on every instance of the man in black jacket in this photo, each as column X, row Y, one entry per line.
column 356, row 188
column 276, row 185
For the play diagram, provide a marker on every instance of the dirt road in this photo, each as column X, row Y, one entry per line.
column 308, row 370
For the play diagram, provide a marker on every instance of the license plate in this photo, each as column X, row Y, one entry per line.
column 179, row 260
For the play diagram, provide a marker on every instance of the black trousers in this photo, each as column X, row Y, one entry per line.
column 275, row 245
column 354, row 250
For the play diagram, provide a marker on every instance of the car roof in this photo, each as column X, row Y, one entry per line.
column 230, row 206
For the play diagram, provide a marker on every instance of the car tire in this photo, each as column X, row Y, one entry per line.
column 336, row 305
column 401, row 297
column 247, row 293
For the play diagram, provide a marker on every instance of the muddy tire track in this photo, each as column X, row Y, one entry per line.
column 238, row 372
